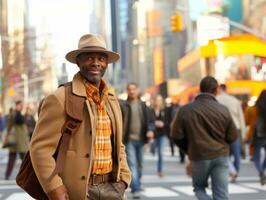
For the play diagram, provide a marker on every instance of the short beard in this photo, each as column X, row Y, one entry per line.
column 91, row 79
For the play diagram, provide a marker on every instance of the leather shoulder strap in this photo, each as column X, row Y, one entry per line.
column 74, row 106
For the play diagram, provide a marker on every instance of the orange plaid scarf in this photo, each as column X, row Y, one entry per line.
column 102, row 163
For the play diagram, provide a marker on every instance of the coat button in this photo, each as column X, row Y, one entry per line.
column 83, row 178
column 87, row 155
column 90, row 132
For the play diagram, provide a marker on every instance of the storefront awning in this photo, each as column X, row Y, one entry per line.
column 234, row 45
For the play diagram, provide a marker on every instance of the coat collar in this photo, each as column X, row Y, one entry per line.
column 206, row 96
column 78, row 87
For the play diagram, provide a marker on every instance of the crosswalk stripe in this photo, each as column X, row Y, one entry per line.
column 188, row 190
column 238, row 189
column 233, row 189
column 7, row 182
column 184, row 179
column 8, row 187
column 255, row 186
column 153, row 192
column 165, row 179
column 19, row 196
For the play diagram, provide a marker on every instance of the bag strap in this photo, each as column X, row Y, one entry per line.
column 74, row 110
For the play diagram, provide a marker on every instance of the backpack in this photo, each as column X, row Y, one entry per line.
column 26, row 177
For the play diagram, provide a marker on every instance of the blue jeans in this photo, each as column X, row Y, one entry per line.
column 259, row 164
column 158, row 144
column 134, row 151
column 235, row 151
column 217, row 169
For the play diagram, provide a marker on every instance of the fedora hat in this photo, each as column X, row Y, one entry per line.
column 94, row 44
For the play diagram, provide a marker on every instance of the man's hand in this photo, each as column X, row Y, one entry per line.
column 59, row 193
column 159, row 124
column 150, row 134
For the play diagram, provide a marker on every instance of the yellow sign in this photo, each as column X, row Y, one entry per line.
column 11, row 92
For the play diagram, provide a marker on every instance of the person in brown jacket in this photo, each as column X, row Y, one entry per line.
column 204, row 129
column 95, row 165
column 256, row 120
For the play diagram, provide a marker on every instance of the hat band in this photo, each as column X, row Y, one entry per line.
column 94, row 48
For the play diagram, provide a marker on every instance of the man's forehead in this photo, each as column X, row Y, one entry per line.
column 93, row 54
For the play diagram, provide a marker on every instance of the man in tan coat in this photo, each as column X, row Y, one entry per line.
column 95, row 166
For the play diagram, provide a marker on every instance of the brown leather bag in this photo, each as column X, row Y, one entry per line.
column 26, row 177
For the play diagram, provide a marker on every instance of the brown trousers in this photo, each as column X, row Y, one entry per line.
column 11, row 162
column 106, row 191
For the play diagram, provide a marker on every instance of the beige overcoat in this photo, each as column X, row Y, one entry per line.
column 78, row 163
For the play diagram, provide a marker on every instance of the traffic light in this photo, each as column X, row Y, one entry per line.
column 177, row 22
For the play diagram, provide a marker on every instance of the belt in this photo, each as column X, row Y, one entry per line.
column 96, row 179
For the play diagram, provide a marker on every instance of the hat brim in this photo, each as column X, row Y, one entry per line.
column 72, row 55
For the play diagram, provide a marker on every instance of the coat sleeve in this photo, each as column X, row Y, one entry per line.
column 231, row 131
column 125, row 174
column 178, row 133
column 44, row 142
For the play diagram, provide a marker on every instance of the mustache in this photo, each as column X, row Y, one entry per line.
column 92, row 66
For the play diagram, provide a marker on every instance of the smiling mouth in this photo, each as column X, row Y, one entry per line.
column 94, row 72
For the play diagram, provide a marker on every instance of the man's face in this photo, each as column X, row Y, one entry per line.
column 19, row 106
column 92, row 66
column 132, row 92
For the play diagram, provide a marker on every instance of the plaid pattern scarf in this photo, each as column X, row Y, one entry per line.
column 102, row 163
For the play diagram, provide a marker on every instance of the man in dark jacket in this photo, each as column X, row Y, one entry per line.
column 204, row 129
column 138, row 127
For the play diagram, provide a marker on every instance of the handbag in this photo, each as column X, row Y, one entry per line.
column 9, row 139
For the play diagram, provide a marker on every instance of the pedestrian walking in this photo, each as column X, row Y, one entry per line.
column 204, row 129
column 29, row 120
column 170, row 113
column 175, row 108
column 138, row 129
column 255, row 117
column 2, row 124
column 235, row 109
column 161, row 125
column 95, row 165
column 20, row 144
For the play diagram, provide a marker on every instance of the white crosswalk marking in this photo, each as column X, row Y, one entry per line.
column 255, row 186
column 188, row 190
column 233, row 189
column 19, row 196
column 165, row 179
column 6, row 187
column 159, row 192
column 238, row 189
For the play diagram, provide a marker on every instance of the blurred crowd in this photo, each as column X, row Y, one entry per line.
column 16, row 129
column 148, row 127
